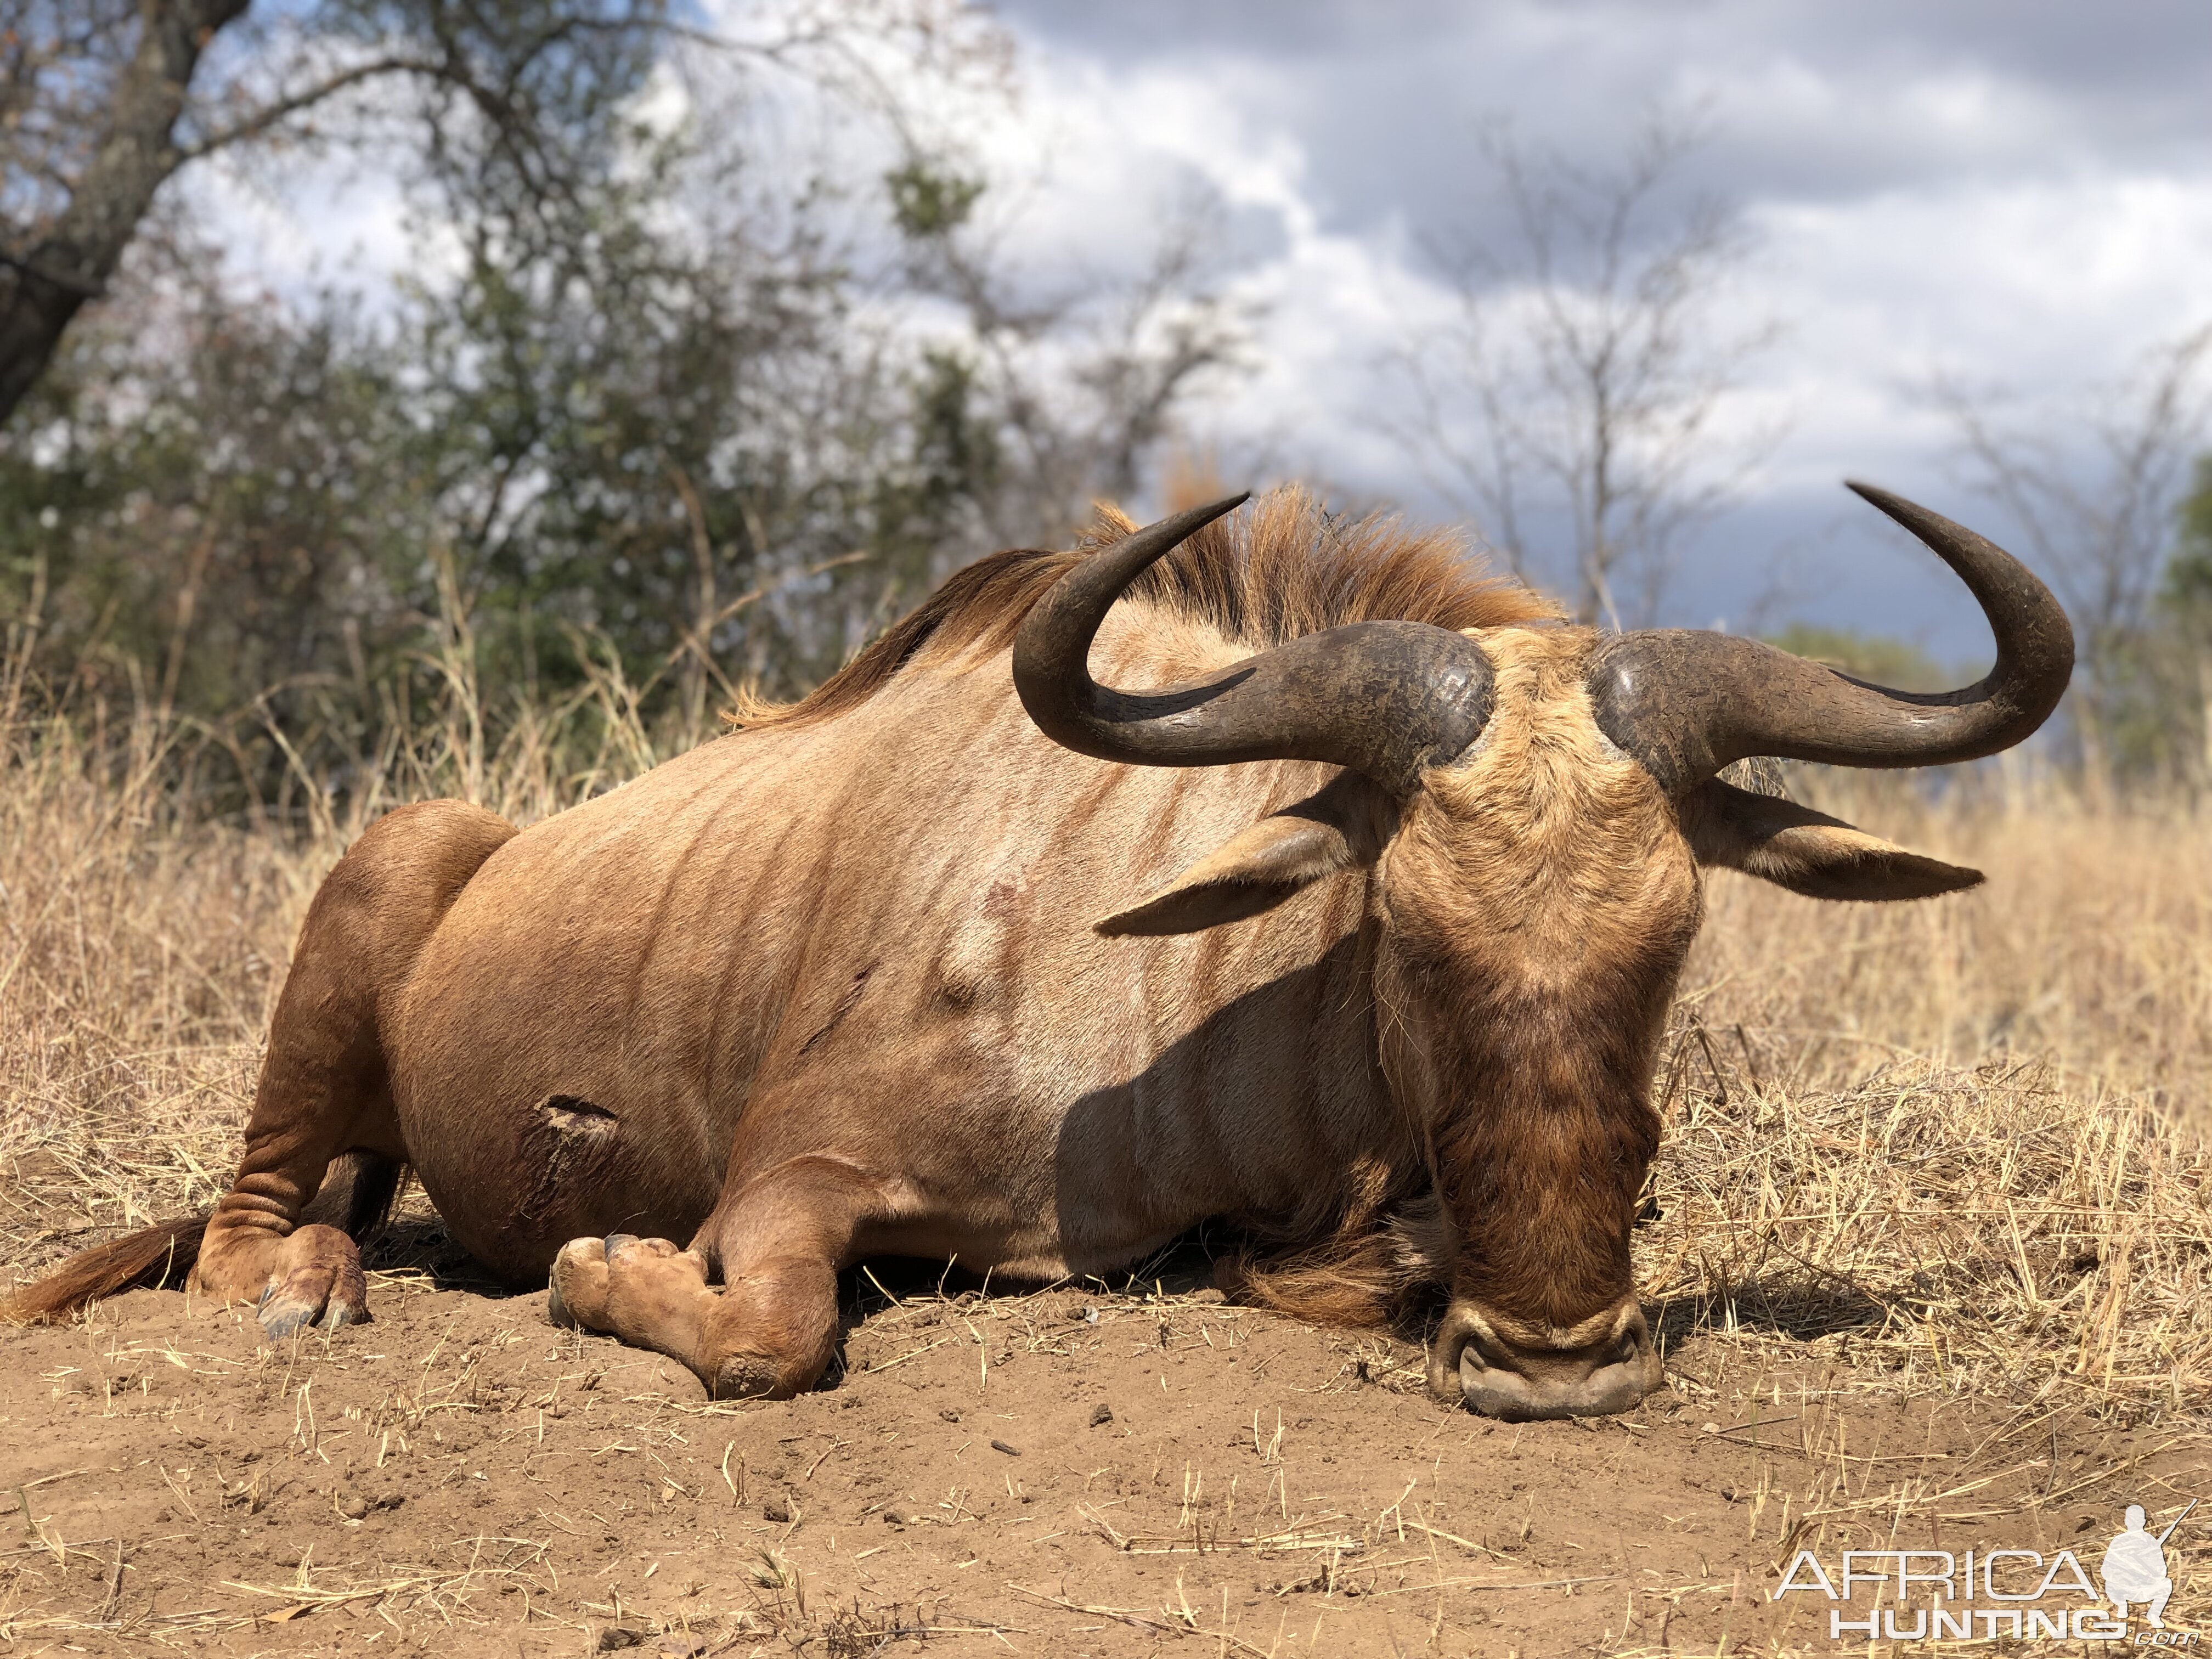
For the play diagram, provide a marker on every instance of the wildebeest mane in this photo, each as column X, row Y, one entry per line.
column 1280, row 568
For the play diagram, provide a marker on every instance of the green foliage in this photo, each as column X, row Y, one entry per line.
column 652, row 437
column 954, row 460
column 629, row 419
column 2157, row 701
column 235, row 521
column 930, row 202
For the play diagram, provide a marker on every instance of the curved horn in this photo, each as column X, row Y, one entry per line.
column 1687, row 702
column 1384, row 698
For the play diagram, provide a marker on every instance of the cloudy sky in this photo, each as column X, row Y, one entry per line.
column 2013, row 193
column 2019, row 196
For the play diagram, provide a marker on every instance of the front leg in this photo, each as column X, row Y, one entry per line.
column 779, row 1237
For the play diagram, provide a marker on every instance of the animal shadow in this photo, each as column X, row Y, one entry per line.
column 1793, row 1304
column 421, row 1245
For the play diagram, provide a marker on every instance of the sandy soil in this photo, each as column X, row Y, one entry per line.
column 1058, row 1472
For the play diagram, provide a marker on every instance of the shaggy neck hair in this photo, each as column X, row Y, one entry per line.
column 1282, row 568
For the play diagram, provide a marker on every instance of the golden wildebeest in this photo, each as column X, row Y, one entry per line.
column 1399, row 871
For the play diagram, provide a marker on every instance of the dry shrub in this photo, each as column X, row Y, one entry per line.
column 143, row 952
column 1946, row 1145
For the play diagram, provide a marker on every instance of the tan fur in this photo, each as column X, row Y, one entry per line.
column 1539, row 901
column 829, row 987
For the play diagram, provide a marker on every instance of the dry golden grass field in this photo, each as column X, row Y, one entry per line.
column 1928, row 1247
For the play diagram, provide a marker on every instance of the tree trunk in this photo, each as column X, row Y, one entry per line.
column 44, row 286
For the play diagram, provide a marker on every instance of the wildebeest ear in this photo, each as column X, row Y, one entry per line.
column 1809, row 852
column 1342, row 826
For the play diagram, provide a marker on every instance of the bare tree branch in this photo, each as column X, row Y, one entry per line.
column 1087, row 425
column 1572, row 401
column 2093, row 484
column 43, row 286
column 270, row 116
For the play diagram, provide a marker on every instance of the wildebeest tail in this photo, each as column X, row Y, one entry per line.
column 157, row 1255
column 357, row 1195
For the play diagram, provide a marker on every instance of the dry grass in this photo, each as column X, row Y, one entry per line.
column 1949, row 1146
column 2091, row 946
column 143, row 942
column 1956, row 1146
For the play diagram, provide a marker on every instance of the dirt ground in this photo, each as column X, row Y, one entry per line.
column 1066, row 1471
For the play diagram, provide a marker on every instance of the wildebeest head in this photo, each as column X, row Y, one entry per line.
column 1535, row 802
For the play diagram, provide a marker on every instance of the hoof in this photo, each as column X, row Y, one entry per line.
column 577, row 1287
column 319, row 1297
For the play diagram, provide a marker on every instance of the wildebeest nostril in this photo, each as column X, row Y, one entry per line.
column 1488, row 1352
